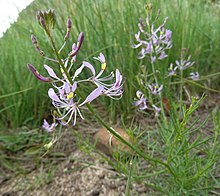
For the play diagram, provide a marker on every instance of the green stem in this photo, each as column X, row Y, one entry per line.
column 195, row 83
column 59, row 59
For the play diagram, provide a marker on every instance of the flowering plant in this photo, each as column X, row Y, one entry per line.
column 65, row 94
column 155, row 42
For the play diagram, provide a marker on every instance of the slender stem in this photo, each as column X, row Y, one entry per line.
column 183, row 80
column 59, row 59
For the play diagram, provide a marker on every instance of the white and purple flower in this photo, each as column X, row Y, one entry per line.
column 141, row 101
column 48, row 127
column 155, row 89
column 156, row 41
column 194, row 75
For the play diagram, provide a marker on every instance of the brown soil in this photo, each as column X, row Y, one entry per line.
column 78, row 173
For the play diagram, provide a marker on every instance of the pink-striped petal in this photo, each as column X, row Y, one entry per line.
column 93, row 95
column 51, row 72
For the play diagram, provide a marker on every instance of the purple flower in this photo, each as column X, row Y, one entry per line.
column 116, row 89
column 184, row 64
column 49, row 128
column 141, row 101
column 171, row 70
column 157, row 110
column 194, row 76
column 65, row 103
column 101, row 58
column 155, row 41
column 155, row 89
column 110, row 89
column 37, row 74
column 168, row 35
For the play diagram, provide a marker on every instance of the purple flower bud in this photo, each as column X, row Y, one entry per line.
column 42, row 22
column 47, row 127
column 79, row 44
column 37, row 75
column 33, row 39
column 80, row 39
column 38, row 16
column 69, row 23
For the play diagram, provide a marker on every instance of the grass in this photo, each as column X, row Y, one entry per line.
column 195, row 26
column 109, row 27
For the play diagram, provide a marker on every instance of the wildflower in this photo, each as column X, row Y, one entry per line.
column 76, row 47
column 141, row 101
column 111, row 90
column 157, row 41
column 194, row 76
column 49, row 128
column 184, row 64
column 65, row 101
column 116, row 89
column 172, row 70
column 157, row 110
column 155, row 89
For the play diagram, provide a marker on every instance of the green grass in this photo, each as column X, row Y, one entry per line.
column 109, row 27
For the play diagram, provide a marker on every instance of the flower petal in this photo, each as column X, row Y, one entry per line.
column 74, row 86
column 37, row 75
column 93, row 95
column 89, row 66
column 53, row 95
column 51, row 72
column 78, row 71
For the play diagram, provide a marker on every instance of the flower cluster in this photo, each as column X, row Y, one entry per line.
column 154, row 43
column 156, row 40
column 142, row 103
column 65, row 93
column 181, row 65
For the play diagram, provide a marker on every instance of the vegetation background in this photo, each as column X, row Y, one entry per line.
column 109, row 27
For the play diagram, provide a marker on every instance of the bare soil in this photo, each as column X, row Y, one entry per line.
column 78, row 173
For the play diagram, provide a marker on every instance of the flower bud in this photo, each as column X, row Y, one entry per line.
column 33, row 39
column 37, row 74
column 42, row 23
column 69, row 25
column 79, row 44
column 149, row 7
column 46, row 19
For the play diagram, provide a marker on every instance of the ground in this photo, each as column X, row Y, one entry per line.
column 68, row 170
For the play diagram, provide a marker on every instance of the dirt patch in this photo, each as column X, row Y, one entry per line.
column 74, row 172
column 80, row 174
